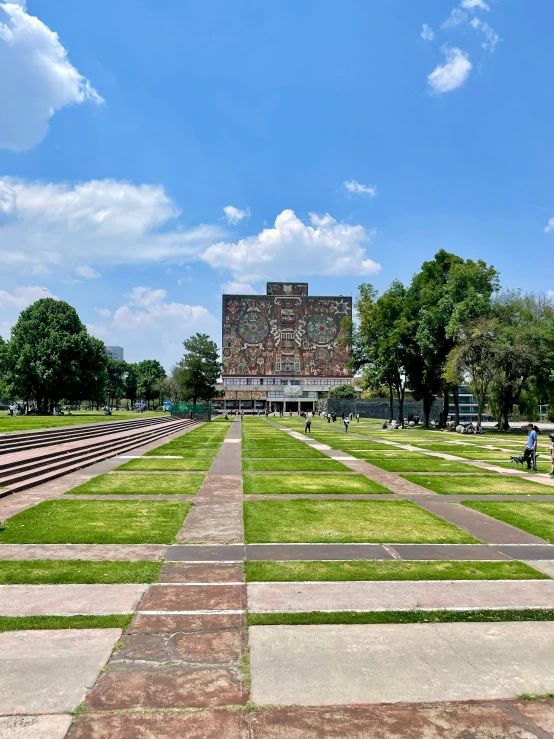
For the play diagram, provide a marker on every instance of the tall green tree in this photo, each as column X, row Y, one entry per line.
column 51, row 356
column 199, row 369
column 115, row 386
column 343, row 391
column 130, row 383
column 149, row 372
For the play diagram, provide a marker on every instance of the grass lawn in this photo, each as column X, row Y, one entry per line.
column 489, row 484
column 348, row 521
column 59, row 572
column 398, row 617
column 96, row 522
column 30, row 423
column 276, row 451
column 167, row 465
column 389, row 570
column 23, row 623
column 116, row 484
column 178, row 450
column 293, row 465
column 484, row 455
column 542, row 466
column 310, row 484
column 429, row 464
column 533, row 517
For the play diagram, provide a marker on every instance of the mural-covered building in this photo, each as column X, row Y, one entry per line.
column 282, row 349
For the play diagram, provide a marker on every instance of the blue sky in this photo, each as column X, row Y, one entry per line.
column 347, row 142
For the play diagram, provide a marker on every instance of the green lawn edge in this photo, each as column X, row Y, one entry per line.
column 25, row 623
column 62, row 572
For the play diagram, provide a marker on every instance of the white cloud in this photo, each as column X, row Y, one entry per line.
column 492, row 38
column 87, row 272
column 356, row 187
column 449, row 76
column 36, row 78
column 95, row 222
column 325, row 247
column 550, row 294
column 427, row 34
column 455, row 18
column 471, row 4
column 235, row 215
column 237, row 288
column 13, row 303
column 148, row 326
column 549, row 226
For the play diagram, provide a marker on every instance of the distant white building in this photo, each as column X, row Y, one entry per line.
column 114, row 352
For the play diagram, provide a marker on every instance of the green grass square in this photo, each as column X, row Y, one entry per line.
column 167, row 465
column 178, row 450
column 429, row 464
column 349, row 521
column 96, row 522
column 534, row 517
column 310, row 485
column 122, row 484
column 293, row 465
column 61, row 572
column 488, row 484
column 285, row 451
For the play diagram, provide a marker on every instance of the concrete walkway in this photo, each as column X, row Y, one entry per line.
column 69, row 600
column 391, row 663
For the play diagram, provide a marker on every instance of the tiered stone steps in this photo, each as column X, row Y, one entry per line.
column 36, row 460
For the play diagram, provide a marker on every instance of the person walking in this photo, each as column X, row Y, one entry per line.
column 357, row 418
column 530, row 453
column 328, row 418
column 346, row 425
column 308, row 426
column 551, row 450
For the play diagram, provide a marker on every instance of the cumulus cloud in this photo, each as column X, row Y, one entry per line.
column 148, row 325
column 12, row 303
column 87, row 272
column 491, row 37
column 449, row 76
column 237, row 288
column 472, row 4
column 549, row 226
column 357, row 188
column 95, row 222
column 235, row 215
column 455, row 18
column 427, row 34
column 325, row 247
column 36, row 78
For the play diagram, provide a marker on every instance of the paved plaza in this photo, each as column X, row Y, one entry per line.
column 276, row 597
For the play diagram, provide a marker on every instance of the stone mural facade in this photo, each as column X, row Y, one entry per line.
column 284, row 333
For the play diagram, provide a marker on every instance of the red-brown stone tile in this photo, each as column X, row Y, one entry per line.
column 541, row 713
column 169, row 687
column 199, row 725
column 194, row 598
column 202, row 573
column 398, row 721
column 172, row 624
column 145, row 647
column 215, row 647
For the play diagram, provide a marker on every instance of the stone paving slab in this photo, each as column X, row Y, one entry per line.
column 321, row 496
column 214, row 647
column 34, row 727
column 217, row 513
column 447, row 552
column 261, row 552
column 198, row 725
column 173, row 624
column 69, row 600
column 200, row 573
column 546, row 566
column 485, row 720
column 91, row 552
column 303, row 597
column 214, row 597
column 50, row 671
column 214, row 553
column 545, row 551
column 391, row 663
column 541, row 713
column 172, row 687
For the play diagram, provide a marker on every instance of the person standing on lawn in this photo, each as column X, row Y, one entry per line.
column 551, row 449
column 308, row 426
column 346, row 425
column 530, row 453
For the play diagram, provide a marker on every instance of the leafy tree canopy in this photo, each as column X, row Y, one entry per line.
column 199, row 369
column 343, row 391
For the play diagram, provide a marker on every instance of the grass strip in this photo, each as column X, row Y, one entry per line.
column 179, row 450
column 534, row 517
column 398, row 617
column 23, row 623
column 356, row 570
column 167, row 465
column 63, row 572
column 96, row 522
column 487, row 484
column 293, row 465
column 115, row 484
column 310, row 485
column 429, row 464
column 348, row 521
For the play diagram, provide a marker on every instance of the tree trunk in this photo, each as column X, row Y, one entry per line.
column 445, row 405
column 401, row 392
column 391, row 403
column 427, row 403
column 456, row 396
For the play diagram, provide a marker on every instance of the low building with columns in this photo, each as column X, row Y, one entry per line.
column 282, row 350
